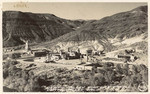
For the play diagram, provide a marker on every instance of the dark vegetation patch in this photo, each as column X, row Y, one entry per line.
column 108, row 75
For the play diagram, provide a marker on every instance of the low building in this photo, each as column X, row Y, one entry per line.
column 83, row 67
column 43, row 59
column 39, row 53
column 8, row 50
column 128, row 58
column 71, row 55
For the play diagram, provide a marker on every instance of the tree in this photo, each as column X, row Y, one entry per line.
column 119, row 70
column 15, row 55
column 136, row 80
column 94, row 69
column 5, row 73
column 99, row 80
column 135, row 69
column 108, row 65
column 35, row 86
column 109, row 76
column 143, row 67
column 126, row 69
column 144, row 73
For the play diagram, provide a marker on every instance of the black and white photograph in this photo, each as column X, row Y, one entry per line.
column 75, row 46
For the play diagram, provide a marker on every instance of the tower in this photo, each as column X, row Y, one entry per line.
column 26, row 46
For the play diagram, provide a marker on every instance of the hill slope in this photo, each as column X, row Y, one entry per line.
column 54, row 31
column 34, row 27
column 108, row 30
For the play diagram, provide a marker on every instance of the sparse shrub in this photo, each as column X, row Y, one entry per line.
column 25, row 75
column 143, row 67
column 86, row 74
column 5, row 56
column 5, row 73
column 126, row 69
column 15, row 55
column 135, row 69
column 144, row 73
column 35, row 87
column 109, row 76
column 137, row 79
column 99, row 80
column 94, row 69
column 108, row 64
column 59, row 70
column 76, row 77
column 31, row 65
column 119, row 70
column 6, row 65
column 102, row 71
column 14, row 62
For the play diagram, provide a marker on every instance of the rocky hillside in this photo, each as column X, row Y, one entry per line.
column 34, row 27
column 108, row 30
column 54, row 31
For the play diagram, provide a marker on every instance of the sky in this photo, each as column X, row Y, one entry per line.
column 73, row 10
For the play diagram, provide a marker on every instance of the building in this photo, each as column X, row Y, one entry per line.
column 83, row 67
column 128, row 58
column 39, row 54
column 43, row 59
column 8, row 50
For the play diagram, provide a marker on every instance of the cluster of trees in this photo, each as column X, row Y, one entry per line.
column 138, row 75
column 19, row 79
column 12, row 56
column 124, row 75
column 108, row 75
